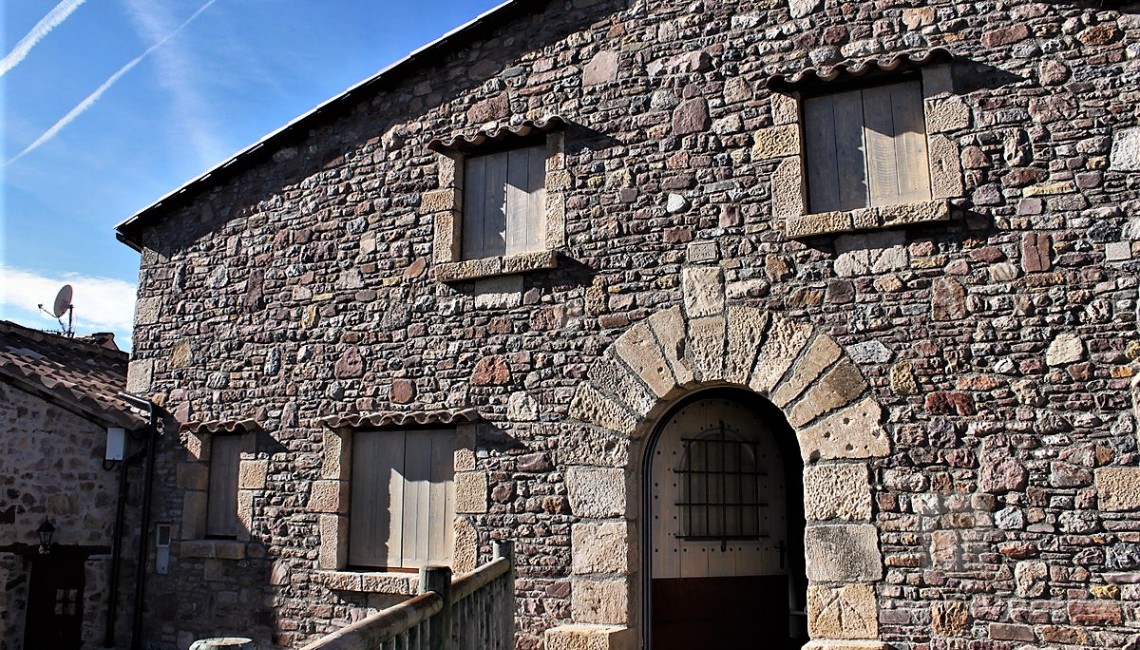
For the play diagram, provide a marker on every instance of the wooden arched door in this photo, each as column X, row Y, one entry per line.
column 725, row 538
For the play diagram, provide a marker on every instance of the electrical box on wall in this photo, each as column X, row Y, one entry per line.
column 162, row 549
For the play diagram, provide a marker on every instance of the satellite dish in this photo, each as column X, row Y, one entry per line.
column 62, row 301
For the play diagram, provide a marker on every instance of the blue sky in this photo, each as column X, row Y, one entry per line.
column 108, row 105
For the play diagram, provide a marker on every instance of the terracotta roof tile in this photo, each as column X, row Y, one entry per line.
column 401, row 418
column 78, row 373
column 858, row 68
column 221, row 426
column 496, row 133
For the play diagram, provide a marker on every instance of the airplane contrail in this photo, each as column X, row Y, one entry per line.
column 82, row 106
column 57, row 15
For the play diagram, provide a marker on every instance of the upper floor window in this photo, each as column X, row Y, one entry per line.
column 866, row 148
column 501, row 204
column 504, row 203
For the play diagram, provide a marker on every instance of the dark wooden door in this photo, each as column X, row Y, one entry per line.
column 55, row 603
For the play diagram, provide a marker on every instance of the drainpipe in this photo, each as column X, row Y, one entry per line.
column 117, row 549
column 143, row 403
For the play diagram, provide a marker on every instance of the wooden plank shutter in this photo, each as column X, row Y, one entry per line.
column 910, row 142
column 504, row 206
column 403, row 505
column 835, row 155
column 221, row 501
column 377, row 498
column 866, row 148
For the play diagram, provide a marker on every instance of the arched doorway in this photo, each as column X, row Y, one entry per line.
column 724, row 492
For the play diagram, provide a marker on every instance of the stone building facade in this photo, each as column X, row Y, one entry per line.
column 57, row 398
column 941, row 374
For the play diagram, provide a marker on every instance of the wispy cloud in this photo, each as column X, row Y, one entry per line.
column 57, row 15
column 87, row 103
column 101, row 304
column 180, row 73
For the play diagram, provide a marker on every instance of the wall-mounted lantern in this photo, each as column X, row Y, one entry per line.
column 45, row 531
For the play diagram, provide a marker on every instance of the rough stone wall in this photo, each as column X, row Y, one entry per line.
column 51, row 467
column 1001, row 343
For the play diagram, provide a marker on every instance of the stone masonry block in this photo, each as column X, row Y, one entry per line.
column 253, row 474
column 776, row 142
column 600, row 600
column 852, row 432
column 788, row 189
column 911, row 213
column 837, row 491
column 555, row 220
column 590, row 637
column 821, row 353
column 446, row 237
column 464, row 457
column 334, row 456
column 1125, row 155
column 596, row 492
column 946, row 114
column 580, row 444
column 601, row 547
column 1118, row 488
column 785, row 339
column 945, row 168
column 843, row 553
column 706, row 347
column 333, row 553
column 329, row 496
column 704, row 291
column 809, row 225
column 140, row 374
column 447, row 169
column 591, row 406
column 612, row 377
column 825, row 644
column 471, row 492
column 465, row 555
column 745, row 334
column 438, row 201
column 839, row 387
column 148, row 310
column 842, row 612
column 785, row 109
column 640, row 350
column 669, row 330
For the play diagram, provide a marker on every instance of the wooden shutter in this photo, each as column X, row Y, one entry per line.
column 504, row 206
column 221, row 501
column 895, row 131
column 866, row 148
column 402, row 503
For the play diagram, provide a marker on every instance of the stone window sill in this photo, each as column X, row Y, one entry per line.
column 492, row 266
column 214, row 549
column 886, row 216
column 370, row 582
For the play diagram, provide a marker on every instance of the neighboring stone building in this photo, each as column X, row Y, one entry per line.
column 57, row 399
column 742, row 319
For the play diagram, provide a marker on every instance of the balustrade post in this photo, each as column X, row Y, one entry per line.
column 438, row 579
column 505, row 549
